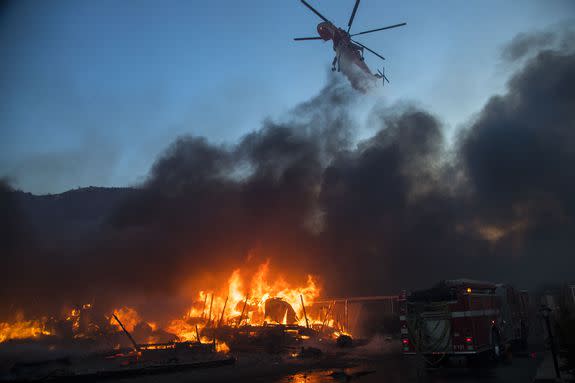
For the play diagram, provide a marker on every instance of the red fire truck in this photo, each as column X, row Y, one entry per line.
column 463, row 318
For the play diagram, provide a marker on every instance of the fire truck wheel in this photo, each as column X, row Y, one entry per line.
column 496, row 348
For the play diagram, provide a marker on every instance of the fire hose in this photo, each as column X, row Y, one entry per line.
column 425, row 339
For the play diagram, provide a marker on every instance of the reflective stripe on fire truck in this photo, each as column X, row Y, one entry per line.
column 462, row 314
column 474, row 313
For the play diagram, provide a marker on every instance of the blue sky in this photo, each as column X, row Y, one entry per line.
column 92, row 91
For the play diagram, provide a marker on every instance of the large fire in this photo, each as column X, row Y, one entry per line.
column 245, row 304
column 264, row 299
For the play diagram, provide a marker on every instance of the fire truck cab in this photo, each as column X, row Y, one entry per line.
column 462, row 318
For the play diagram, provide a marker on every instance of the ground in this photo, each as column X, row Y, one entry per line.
column 389, row 366
column 399, row 370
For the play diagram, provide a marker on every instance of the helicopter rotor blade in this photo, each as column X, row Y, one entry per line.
column 378, row 29
column 314, row 11
column 352, row 15
column 307, row 38
column 366, row 48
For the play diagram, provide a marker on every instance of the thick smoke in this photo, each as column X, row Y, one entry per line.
column 518, row 156
column 401, row 209
column 527, row 44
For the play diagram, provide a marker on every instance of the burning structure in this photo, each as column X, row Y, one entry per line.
column 259, row 312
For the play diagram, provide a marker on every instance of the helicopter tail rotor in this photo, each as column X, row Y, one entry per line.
column 381, row 75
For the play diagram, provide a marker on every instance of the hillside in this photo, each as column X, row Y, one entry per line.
column 66, row 217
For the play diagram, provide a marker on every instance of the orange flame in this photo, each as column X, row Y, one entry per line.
column 128, row 316
column 241, row 302
column 251, row 298
column 22, row 329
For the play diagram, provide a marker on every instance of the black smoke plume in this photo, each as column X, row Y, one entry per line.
column 401, row 209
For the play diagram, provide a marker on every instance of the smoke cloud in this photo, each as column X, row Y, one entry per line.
column 401, row 209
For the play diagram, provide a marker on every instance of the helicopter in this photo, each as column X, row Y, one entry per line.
column 346, row 48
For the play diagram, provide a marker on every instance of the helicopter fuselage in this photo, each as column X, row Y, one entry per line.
column 342, row 44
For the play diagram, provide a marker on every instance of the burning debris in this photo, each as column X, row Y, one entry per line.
column 263, row 311
column 77, row 323
column 255, row 313
column 261, row 314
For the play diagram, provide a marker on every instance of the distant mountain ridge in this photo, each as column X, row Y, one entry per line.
column 69, row 216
